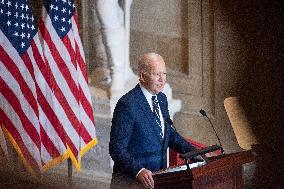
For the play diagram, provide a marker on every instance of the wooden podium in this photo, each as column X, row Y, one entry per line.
column 220, row 172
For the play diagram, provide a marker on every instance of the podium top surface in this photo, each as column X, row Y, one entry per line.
column 215, row 165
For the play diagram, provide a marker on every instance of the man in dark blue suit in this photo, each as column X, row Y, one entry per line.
column 141, row 130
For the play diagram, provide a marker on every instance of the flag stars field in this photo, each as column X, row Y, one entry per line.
column 10, row 12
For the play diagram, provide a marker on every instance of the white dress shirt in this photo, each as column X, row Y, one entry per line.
column 148, row 96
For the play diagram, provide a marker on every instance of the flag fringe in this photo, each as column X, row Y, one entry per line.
column 87, row 147
column 57, row 160
column 18, row 150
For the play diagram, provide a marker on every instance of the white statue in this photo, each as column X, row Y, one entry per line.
column 114, row 16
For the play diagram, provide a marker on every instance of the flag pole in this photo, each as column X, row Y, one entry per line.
column 69, row 164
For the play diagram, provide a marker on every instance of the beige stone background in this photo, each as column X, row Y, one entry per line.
column 213, row 50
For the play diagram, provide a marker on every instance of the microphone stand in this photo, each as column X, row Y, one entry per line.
column 205, row 115
column 186, row 158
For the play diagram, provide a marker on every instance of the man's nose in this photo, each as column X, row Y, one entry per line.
column 162, row 77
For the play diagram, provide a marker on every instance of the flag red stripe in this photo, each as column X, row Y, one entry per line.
column 81, row 63
column 84, row 101
column 29, row 65
column 69, row 48
column 58, row 93
column 59, row 61
column 87, row 106
column 45, row 105
column 76, row 21
column 70, row 114
column 46, row 141
column 16, row 136
column 15, row 103
column 10, row 65
column 47, row 73
column 56, row 123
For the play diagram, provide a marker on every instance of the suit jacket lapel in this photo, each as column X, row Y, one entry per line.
column 163, row 106
column 147, row 111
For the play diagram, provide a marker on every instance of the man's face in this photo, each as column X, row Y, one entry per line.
column 154, row 79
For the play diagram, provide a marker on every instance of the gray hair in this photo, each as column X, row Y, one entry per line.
column 146, row 59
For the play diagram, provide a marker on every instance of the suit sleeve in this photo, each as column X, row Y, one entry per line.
column 178, row 143
column 121, row 131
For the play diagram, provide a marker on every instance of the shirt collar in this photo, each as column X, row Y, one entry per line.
column 147, row 94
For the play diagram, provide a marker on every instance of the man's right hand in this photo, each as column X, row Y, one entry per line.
column 146, row 178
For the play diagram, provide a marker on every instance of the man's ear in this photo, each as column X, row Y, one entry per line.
column 141, row 77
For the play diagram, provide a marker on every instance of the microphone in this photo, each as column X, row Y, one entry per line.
column 203, row 113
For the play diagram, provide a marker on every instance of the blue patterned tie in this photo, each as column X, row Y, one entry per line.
column 156, row 113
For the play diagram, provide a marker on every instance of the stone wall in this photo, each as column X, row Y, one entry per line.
column 213, row 50
column 233, row 50
column 187, row 35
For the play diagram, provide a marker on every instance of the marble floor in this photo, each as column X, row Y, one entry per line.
column 57, row 179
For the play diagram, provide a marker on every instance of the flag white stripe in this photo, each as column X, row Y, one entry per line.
column 43, row 86
column 45, row 156
column 56, row 140
column 58, row 110
column 61, row 81
column 50, row 131
column 39, row 44
column 57, row 73
column 60, row 47
column 88, row 123
column 14, row 118
column 83, row 83
column 18, row 62
column 71, row 38
column 85, row 87
column 77, row 38
column 14, row 86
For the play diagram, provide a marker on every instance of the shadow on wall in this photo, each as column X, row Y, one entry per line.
column 260, row 25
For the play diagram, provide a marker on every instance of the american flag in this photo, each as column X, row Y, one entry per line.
column 72, row 115
column 45, row 104
column 18, row 83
